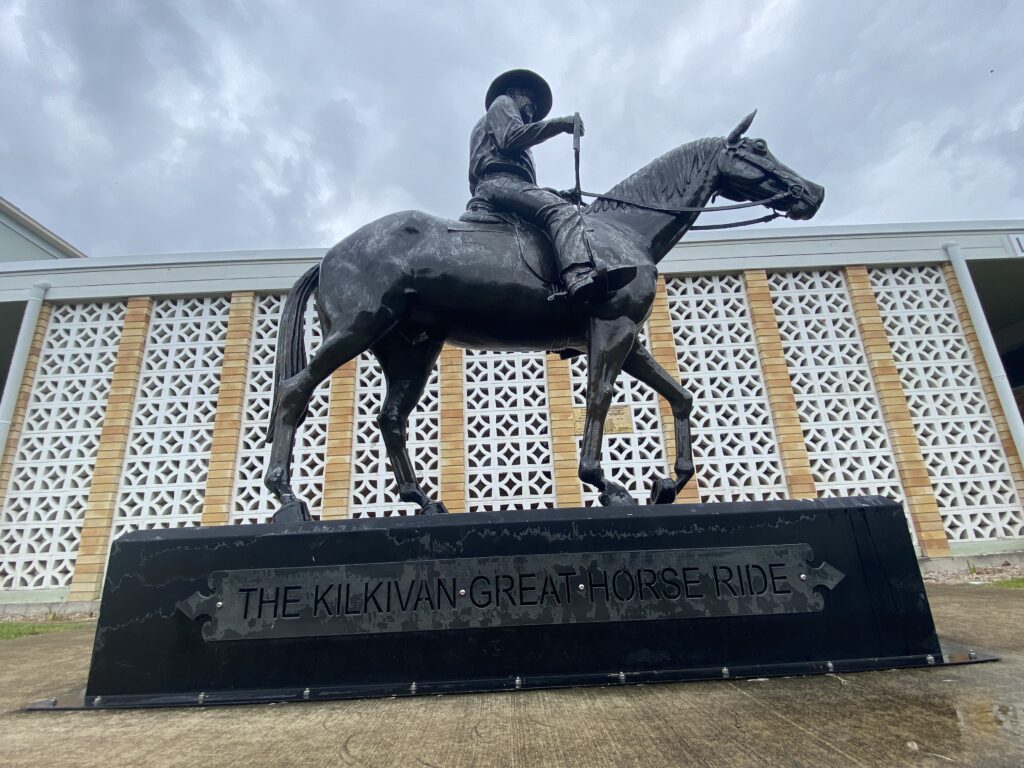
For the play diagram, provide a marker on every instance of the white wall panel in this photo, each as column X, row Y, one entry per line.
column 966, row 461
column 45, row 501
column 168, row 451
column 734, row 445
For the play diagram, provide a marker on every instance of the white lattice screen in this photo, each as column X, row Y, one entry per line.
column 631, row 459
column 168, row 450
column 734, row 445
column 508, row 432
column 843, row 427
column 374, row 492
column 253, row 503
column 508, row 437
column 966, row 462
column 53, row 463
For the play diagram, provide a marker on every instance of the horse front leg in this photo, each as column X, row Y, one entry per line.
column 641, row 365
column 609, row 343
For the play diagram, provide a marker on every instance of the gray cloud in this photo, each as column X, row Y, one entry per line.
column 133, row 127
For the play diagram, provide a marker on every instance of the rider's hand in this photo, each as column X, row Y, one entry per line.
column 568, row 123
column 570, row 195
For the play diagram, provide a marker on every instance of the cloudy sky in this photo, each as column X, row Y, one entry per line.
column 147, row 127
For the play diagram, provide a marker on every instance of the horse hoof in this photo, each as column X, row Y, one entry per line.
column 619, row 498
column 434, row 508
column 293, row 512
column 663, row 491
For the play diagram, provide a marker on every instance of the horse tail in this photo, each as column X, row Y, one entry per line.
column 291, row 338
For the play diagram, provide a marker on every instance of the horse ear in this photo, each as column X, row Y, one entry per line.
column 740, row 129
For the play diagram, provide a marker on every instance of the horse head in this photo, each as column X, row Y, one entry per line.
column 749, row 171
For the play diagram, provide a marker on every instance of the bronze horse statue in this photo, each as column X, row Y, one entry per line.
column 407, row 283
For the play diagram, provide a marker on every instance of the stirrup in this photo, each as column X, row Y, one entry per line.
column 593, row 287
column 605, row 281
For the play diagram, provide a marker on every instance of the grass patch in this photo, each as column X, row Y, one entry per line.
column 1017, row 583
column 12, row 629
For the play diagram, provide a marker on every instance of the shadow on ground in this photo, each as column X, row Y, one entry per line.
column 931, row 717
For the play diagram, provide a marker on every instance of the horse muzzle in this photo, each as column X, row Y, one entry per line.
column 809, row 197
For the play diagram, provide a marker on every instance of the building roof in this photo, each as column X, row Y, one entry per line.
column 796, row 247
column 30, row 229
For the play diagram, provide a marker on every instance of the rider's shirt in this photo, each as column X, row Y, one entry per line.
column 501, row 141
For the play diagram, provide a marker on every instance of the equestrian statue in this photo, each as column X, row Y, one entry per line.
column 525, row 268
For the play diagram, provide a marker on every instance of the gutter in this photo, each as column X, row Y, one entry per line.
column 988, row 345
column 19, row 360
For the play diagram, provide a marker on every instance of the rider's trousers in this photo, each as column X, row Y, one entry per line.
column 559, row 218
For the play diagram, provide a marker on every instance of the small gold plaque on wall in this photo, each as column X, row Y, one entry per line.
column 619, row 421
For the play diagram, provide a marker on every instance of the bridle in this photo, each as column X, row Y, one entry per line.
column 759, row 161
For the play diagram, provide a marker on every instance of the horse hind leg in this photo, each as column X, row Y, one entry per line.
column 340, row 345
column 407, row 366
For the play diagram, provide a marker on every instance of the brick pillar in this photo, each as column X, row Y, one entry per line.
column 453, row 430
column 793, row 451
column 21, row 405
column 987, row 386
column 563, row 433
column 341, row 417
column 227, row 422
column 106, row 475
column 906, row 450
column 663, row 347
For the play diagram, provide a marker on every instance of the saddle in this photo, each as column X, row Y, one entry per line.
column 534, row 247
column 481, row 216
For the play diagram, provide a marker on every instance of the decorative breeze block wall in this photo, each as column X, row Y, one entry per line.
column 839, row 411
column 734, row 444
column 53, row 464
column 169, row 445
column 958, row 437
column 374, row 491
column 253, row 503
column 508, row 442
column 508, row 431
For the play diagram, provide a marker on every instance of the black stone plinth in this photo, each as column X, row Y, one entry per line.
column 508, row 600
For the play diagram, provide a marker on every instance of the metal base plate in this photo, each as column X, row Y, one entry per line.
column 953, row 654
column 509, row 600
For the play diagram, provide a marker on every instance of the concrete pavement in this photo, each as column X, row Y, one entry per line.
column 970, row 715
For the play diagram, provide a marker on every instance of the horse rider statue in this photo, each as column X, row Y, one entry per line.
column 502, row 176
column 408, row 283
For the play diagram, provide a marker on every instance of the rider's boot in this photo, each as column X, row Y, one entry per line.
column 618, row 277
column 585, row 283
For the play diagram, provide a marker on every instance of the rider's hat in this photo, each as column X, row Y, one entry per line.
column 522, row 78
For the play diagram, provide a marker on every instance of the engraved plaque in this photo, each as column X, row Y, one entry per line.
column 483, row 592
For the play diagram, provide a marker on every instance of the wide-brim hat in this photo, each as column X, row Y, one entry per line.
column 522, row 78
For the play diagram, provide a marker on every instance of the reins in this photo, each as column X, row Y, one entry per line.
column 688, row 209
column 795, row 190
column 759, row 220
column 704, row 209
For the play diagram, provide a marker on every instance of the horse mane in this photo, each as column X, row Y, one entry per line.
column 665, row 180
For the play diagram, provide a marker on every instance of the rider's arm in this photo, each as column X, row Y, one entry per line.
column 506, row 125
